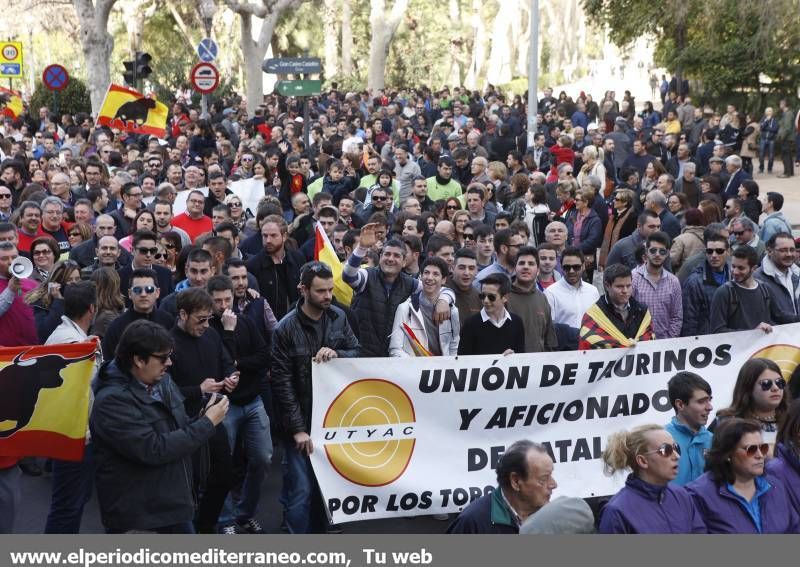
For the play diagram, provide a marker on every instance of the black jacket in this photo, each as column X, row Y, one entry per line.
column 84, row 253
column 295, row 343
column 279, row 297
column 164, row 279
column 250, row 355
column 143, row 449
column 118, row 326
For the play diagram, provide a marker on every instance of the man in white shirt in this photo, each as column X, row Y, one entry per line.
column 569, row 298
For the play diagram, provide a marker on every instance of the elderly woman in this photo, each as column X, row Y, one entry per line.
column 621, row 224
column 648, row 503
column 690, row 241
column 44, row 253
column 592, row 164
column 734, row 495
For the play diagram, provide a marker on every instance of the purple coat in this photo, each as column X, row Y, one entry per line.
column 644, row 508
column 725, row 514
column 786, row 466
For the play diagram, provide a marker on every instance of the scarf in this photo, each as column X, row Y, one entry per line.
column 611, row 235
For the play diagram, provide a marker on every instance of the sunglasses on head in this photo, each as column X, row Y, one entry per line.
column 751, row 450
column 766, row 385
column 666, row 450
column 147, row 251
column 490, row 296
column 140, row 289
column 659, row 251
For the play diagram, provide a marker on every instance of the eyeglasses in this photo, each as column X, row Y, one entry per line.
column 162, row 357
column 378, row 198
column 738, row 232
column 134, row 194
column 42, row 252
column 147, row 251
column 571, row 267
column 203, row 320
column 717, row 251
column 74, row 234
column 666, row 450
column 751, row 450
column 235, row 204
column 569, row 173
column 168, row 246
column 154, row 164
column 247, row 160
column 452, row 207
column 5, row 195
column 490, row 296
column 143, row 289
column 659, row 251
column 469, row 236
column 766, row 385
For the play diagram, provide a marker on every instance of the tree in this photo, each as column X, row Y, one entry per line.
column 347, row 39
column 383, row 26
column 72, row 100
column 97, row 45
column 330, row 23
column 254, row 49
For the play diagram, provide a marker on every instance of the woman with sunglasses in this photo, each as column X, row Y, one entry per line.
column 80, row 232
column 734, row 495
column 759, row 394
column 44, row 253
column 622, row 222
column 171, row 241
column 239, row 215
column 450, row 207
column 110, row 302
column 786, row 464
column 46, row 298
column 648, row 503
column 145, row 220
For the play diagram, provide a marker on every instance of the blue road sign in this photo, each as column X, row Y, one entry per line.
column 207, row 50
column 10, row 69
column 55, row 77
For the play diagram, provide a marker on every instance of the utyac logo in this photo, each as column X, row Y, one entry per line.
column 369, row 432
column 787, row 357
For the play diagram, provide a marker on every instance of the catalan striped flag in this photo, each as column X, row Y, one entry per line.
column 416, row 345
column 10, row 103
column 325, row 252
column 44, row 400
column 126, row 110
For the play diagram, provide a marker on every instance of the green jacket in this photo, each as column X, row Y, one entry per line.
column 786, row 126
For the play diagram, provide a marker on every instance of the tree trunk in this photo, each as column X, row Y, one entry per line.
column 383, row 27
column 500, row 57
column 96, row 44
column 347, row 39
column 330, row 24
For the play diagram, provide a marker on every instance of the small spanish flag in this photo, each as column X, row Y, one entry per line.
column 416, row 345
column 44, row 400
column 10, row 103
column 325, row 252
column 126, row 110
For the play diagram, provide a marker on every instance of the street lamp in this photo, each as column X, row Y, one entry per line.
column 207, row 10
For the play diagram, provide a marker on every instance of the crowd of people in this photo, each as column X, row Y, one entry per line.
column 456, row 238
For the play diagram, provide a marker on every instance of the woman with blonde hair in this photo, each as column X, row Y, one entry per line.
column 110, row 302
column 648, row 503
column 592, row 164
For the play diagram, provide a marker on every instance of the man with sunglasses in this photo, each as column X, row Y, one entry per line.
column 745, row 233
column 493, row 330
column 145, row 248
column 658, row 289
column 143, row 295
column 699, row 287
column 506, row 246
column 569, row 297
column 6, row 202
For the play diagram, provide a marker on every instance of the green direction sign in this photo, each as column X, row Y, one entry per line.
column 308, row 87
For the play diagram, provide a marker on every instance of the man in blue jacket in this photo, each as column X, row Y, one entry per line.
column 690, row 397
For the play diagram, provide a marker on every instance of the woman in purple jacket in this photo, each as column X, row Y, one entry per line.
column 647, row 504
column 786, row 464
column 734, row 496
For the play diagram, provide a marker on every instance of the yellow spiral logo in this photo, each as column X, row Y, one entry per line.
column 787, row 357
column 369, row 432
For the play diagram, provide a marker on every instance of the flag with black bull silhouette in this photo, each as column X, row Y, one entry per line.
column 44, row 399
column 127, row 110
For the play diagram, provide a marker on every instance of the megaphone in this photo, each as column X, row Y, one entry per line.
column 21, row 268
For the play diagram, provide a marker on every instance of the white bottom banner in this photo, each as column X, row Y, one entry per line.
column 411, row 436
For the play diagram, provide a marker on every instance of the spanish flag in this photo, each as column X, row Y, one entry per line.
column 416, row 345
column 126, row 110
column 44, row 400
column 10, row 103
column 325, row 252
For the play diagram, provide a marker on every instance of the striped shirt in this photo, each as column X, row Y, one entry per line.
column 663, row 298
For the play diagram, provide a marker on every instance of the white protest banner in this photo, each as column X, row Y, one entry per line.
column 179, row 206
column 250, row 191
column 409, row 436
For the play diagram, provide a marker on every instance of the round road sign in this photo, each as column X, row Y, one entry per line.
column 204, row 78
column 55, row 77
column 10, row 52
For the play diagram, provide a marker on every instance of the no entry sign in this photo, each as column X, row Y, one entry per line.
column 55, row 77
column 204, row 78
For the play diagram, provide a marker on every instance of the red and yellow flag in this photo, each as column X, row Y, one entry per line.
column 13, row 106
column 126, row 110
column 44, row 400
column 416, row 345
column 325, row 252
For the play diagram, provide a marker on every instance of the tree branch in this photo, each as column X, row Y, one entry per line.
column 242, row 8
column 182, row 27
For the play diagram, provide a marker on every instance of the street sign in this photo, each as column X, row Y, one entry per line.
column 294, row 65
column 207, row 50
column 11, row 59
column 204, row 77
column 299, row 88
column 55, row 77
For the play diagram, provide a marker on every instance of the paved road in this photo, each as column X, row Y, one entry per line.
column 36, row 502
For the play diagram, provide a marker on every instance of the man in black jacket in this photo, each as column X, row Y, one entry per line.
column 145, row 247
column 202, row 365
column 313, row 331
column 143, row 438
column 247, row 417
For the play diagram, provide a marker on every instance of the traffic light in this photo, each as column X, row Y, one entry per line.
column 137, row 69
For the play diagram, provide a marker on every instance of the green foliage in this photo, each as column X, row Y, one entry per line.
column 73, row 99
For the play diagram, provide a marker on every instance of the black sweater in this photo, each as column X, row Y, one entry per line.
column 478, row 337
column 118, row 326
column 195, row 359
column 250, row 354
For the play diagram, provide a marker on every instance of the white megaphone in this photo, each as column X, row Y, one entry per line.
column 21, row 267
